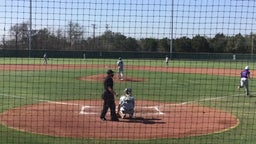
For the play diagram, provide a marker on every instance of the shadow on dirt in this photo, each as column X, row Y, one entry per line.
column 142, row 120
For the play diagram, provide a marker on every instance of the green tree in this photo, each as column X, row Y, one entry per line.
column 20, row 33
column 218, row 43
column 251, row 41
column 119, row 41
column 240, row 44
column 164, row 45
column 132, row 44
column 182, row 44
column 230, row 47
column 149, row 44
column 41, row 39
column 75, row 33
column 200, row 44
column 111, row 41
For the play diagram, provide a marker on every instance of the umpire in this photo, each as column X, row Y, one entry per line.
column 108, row 97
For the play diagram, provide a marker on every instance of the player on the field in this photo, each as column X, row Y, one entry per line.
column 45, row 57
column 166, row 60
column 244, row 82
column 126, row 104
column 120, row 68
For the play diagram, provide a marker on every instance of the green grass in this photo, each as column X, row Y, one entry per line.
column 20, row 88
column 141, row 62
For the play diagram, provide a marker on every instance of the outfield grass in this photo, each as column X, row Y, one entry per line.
column 20, row 88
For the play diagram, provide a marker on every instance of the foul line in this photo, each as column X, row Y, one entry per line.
column 83, row 110
column 158, row 111
column 53, row 102
column 205, row 99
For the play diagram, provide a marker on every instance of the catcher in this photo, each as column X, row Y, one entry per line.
column 126, row 104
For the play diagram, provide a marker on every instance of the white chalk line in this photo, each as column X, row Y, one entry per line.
column 48, row 101
column 201, row 100
column 13, row 96
column 156, row 108
column 84, row 110
column 63, row 103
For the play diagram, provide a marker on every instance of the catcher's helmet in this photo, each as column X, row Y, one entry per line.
column 120, row 58
column 128, row 90
column 247, row 68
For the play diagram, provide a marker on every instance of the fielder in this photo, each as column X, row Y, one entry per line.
column 45, row 58
column 166, row 60
column 120, row 68
column 244, row 82
column 126, row 104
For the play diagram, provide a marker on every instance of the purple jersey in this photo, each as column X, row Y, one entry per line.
column 245, row 74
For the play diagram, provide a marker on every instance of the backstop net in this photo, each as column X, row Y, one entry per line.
column 183, row 71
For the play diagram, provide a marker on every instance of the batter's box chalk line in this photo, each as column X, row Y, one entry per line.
column 91, row 110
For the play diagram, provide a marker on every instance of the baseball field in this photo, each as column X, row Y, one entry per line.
column 186, row 102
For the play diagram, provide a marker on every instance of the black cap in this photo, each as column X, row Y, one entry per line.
column 110, row 71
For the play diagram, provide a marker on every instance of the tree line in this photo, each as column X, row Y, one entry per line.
column 73, row 38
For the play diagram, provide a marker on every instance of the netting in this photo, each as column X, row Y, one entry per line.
column 182, row 59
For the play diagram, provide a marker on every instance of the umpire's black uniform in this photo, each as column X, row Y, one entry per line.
column 108, row 97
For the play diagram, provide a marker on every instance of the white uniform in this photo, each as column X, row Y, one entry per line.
column 120, row 66
column 166, row 60
column 45, row 58
column 127, row 104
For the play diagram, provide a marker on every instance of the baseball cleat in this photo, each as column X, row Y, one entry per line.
column 103, row 119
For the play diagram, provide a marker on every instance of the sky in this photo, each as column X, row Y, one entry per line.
column 134, row 18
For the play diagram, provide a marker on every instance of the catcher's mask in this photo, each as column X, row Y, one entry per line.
column 128, row 91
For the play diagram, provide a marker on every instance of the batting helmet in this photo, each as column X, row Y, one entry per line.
column 247, row 68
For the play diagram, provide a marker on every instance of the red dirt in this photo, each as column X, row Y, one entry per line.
column 153, row 120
